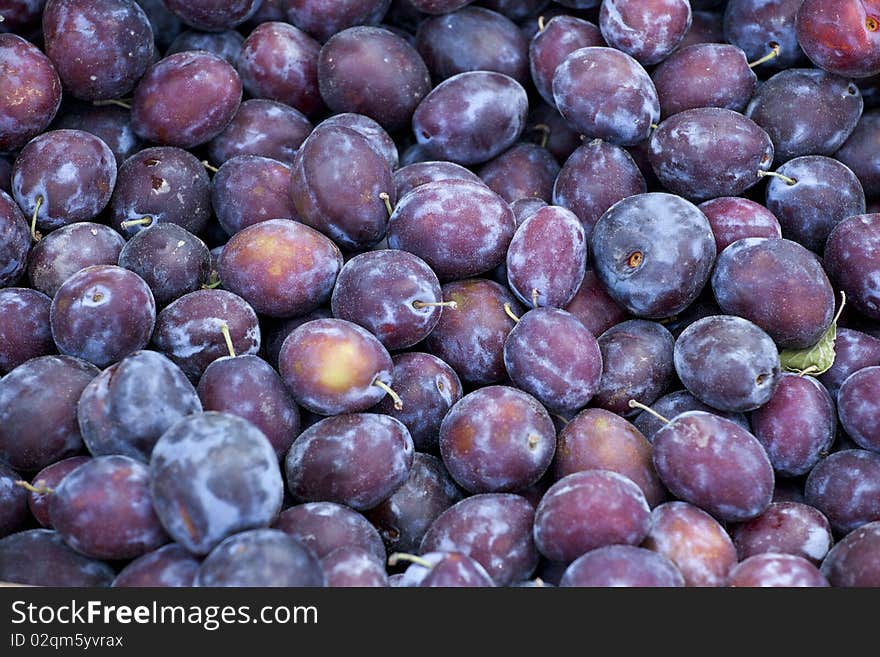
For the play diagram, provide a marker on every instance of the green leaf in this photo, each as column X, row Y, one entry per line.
column 817, row 359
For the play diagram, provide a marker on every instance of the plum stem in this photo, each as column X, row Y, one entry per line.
column 654, row 126
column 809, row 370
column 634, row 404
column 560, row 418
column 398, row 402
column 418, row 305
column 34, row 234
column 541, row 24
column 224, row 329
column 143, row 221
column 397, row 557
column 119, row 102
column 212, row 285
column 840, row 310
column 544, row 129
column 775, row 49
column 510, row 312
column 384, row 196
column 210, row 167
column 37, row 490
column 788, row 181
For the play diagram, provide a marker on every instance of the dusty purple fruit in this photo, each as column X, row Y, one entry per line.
column 778, row 285
column 460, row 228
column 47, row 480
column 338, row 182
column 25, row 69
column 103, row 509
column 445, row 569
column 785, row 527
column 403, row 518
column 819, row 193
column 249, row 189
column 248, row 387
column 408, row 177
column 190, row 330
column 102, row 314
column 497, row 439
column 524, row 171
column 858, row 403
column 797, row 425
column 63, row 176
column 15, row 241
column 391, row 293
column 212, row 90
column 846, row 488
column 596, row 176
column 561, row 36
column 65, row 251
column 349, row 567
column 854, row 351
column 169, row 566
column 326, row 526
column 213, row 15
column 554, row 357
column 280, row 62
column 110, row 123
column 714, row 464
column 694, row 541
column 505, row 549
column 370, row 130
column 588, row 510
column 734, row 218
column 622, row 565
column 851, row 259
column 472, row 39
column 654, row 253
column 430, row 388
column 226, row 44
column 100, row 48
column 806, row 111
column 594, row 307
column 471, row 339
column 547, row 258
column 282, row 268
column 709, row 152
column 161, row 184
column 370, row 457
column 202, row 501
column 260, row 558
column 728, row 363
column 649, row 31
column 471, row 117
column 118, row 411
column 855, row 561
column 13, row 502
column 597, row 439
column 24, row 327
column 605, row 93
column 170, row 259
column 704, row 75
column 776, row 570
column 372, row 71
column 261, row 127
column 332, row 366
column 38, row 411
column 637, row 363
column 40, row 557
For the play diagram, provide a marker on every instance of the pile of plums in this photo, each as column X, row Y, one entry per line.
column 440, row 292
